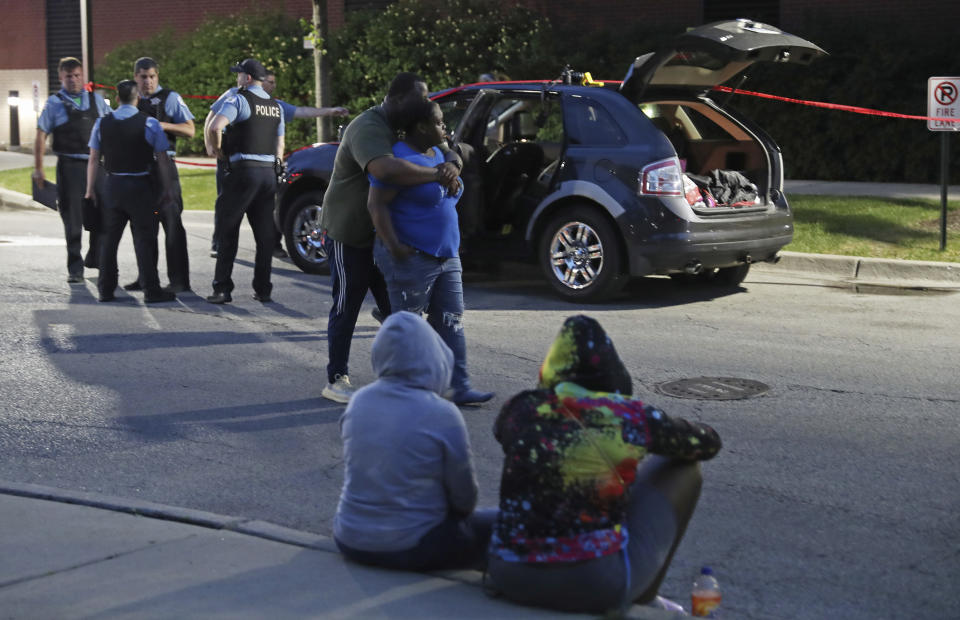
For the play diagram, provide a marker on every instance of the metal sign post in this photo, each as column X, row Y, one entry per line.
column 943, row 108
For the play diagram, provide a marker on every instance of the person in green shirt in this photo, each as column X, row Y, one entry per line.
column 366, row 147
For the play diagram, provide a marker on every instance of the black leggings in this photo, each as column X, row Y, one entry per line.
column 455, row 543
column 662, row 499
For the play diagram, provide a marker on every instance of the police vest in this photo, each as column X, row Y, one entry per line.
column 124, row 144
column 71, row 138
column 156, row 106
column 256, row 135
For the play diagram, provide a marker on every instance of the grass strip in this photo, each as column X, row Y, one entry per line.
column 900, row 228
column 198, row 185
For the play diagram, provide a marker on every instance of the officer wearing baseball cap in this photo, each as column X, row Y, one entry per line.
column 247, row 135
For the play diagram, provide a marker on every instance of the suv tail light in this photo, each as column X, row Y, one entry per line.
column 662, row 178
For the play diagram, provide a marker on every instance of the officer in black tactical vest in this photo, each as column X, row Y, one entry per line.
column 69, row 115
column 175, row 118
column 251, row 149
column 130, row 141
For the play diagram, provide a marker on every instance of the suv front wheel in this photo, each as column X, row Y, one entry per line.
column 302, row 233
column 580, row 256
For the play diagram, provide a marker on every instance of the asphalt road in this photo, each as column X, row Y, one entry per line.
column 836, row 495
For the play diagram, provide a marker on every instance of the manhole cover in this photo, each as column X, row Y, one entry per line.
column 713, row 388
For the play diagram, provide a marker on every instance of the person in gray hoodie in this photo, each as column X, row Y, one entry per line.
column 409, row 489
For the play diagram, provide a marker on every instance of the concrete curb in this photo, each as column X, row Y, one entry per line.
column 250, row 527
column 16, row 200
column 867, row 269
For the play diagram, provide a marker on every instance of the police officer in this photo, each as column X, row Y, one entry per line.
column 129, row 140
column 70, row 115
column 291, row 112
column 176, row 120
column 246, row 132
column 221, row 168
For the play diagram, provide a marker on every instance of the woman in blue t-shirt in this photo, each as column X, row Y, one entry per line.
column 418, row 240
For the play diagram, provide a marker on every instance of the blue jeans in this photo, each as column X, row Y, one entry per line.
column 422, row 283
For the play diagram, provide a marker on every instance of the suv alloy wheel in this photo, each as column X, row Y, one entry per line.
column 580, row 255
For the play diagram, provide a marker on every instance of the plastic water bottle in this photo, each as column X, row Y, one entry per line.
column 705, row 598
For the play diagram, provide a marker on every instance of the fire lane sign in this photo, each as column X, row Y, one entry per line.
column 943, row 102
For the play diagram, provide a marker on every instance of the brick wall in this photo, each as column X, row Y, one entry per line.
column 592, row 15
column 797, row 14
column 114, row 21
column 24, row 34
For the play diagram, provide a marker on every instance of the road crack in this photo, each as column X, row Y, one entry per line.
column 73, row 567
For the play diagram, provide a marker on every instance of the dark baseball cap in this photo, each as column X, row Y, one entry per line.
column 252, row 67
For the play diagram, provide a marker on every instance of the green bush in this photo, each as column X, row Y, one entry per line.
column 199, row 64
column 448, row 42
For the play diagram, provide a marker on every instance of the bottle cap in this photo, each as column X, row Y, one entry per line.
column 706, row 570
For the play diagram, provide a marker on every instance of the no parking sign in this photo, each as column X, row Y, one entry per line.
column 943, row 103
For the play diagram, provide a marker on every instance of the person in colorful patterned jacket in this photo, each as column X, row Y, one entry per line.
column 583, row 525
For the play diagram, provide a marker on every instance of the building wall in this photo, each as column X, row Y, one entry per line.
column 22, row 81
column 24, row 33
column 592, row 15
column 935, row 14
column 22, row 62
column 114, row 21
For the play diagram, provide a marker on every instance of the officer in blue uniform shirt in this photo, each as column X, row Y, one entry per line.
column 291, row 112
column 130, row 141
column 221, row 169
column 176, row 120
column 247, row 133
column 69, row 115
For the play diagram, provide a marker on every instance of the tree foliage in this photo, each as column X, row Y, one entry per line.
column 199, row 64
column 448, row 42
column 873, row 65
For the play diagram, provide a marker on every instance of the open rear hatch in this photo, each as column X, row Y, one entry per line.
column 712, row 54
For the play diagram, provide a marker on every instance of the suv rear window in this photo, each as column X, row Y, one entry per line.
column 589, row 123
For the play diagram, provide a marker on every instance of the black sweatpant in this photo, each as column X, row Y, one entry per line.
column 352, row 273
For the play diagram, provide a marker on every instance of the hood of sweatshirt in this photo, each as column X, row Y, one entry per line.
column 409, row 351
column 583, row 354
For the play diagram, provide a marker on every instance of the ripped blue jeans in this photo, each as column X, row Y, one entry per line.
column 423, row 283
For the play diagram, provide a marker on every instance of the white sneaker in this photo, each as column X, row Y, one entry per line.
column 339, row 391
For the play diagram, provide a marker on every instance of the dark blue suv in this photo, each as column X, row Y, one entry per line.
column 599, row 182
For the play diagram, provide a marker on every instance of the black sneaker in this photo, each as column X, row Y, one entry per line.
column 158, row 297
column 219, row 298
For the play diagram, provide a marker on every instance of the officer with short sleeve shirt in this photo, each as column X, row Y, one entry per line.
column 221, row 169
column 70, row 115
column 291, row 112
column 129, row 141
column 247, row 132
column 175, row 118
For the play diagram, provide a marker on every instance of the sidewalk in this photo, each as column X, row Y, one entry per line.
column 85, row 555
